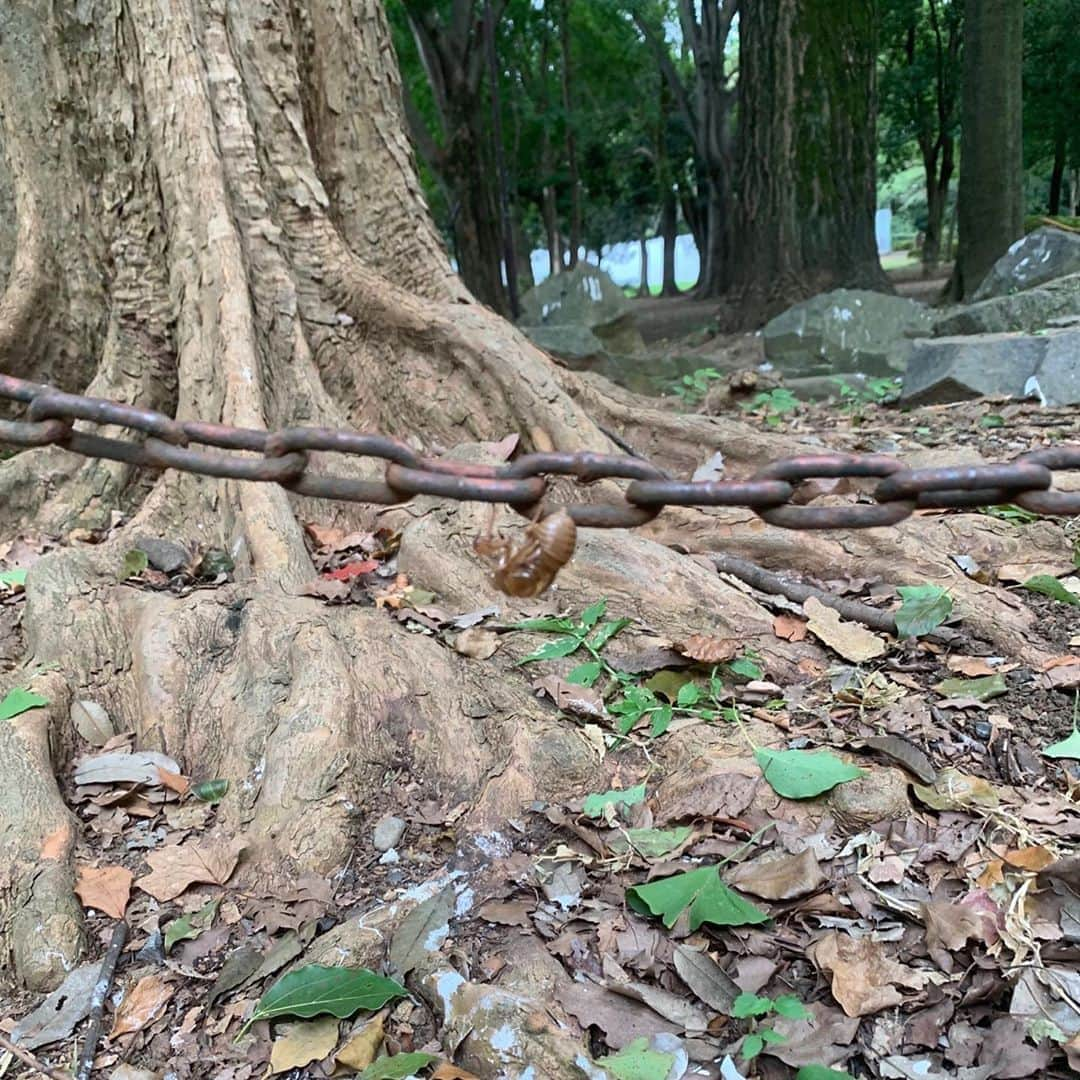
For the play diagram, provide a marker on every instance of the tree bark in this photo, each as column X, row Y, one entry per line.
column 991, row 196
column 806, row 153
column 643, row 285
column 669, row 231
column 253, row 249
column 938, row 178
column 574, row 177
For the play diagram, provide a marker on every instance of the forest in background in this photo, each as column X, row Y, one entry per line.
column 575, row 124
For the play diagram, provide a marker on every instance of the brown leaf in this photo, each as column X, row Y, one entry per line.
column 864, row 976
column 826, row 1038
column 105, row 888
column 476, row 643
column 361, row 1048
column 507, row 912
column 570, row 697
column 176, row 867
column 446, row 1071
column 789, row 628
column 174, row 781
column 144, row 1003
column 972, row 667
column 326, row 589
column 1029, row 858
column 779, row 876
column 950, row 925
column 327, row 537
column 709, row 650
column 302, row 1043
column 852, row 641
column 1064, row 678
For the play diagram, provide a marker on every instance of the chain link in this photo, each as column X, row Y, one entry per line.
column 772, row 493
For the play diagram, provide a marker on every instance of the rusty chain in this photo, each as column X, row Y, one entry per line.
column 1026, row 481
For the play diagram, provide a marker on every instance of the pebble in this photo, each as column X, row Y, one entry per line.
column 388, row 831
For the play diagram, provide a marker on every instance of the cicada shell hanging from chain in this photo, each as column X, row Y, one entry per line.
column 527, row 566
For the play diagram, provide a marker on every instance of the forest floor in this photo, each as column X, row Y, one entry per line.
column 925, row 914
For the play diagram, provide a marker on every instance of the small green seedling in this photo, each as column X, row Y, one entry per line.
column 754, row 1008
column 692, row 388
column 774, row 404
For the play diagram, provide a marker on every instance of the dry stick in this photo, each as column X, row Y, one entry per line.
column 759, row 578
column 31, row 1061
column 97, row 1002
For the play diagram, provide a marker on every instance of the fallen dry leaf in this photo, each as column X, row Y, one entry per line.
column 864, row 976
column 970, row 666
column 826, row 1037
column 105, row 888
column 477, row 644
column 178, row 866
column 709, row 650
column 779, row 876
column 361, row 1048
column 302, row 1043
column 143, row 1004
column 789, row 628
column 852, row 641
column 1029, row 858
column 572, row 698
column 446, row 1071
column 174, row 781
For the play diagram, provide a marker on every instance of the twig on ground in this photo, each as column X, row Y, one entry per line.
column 759, row 578
column 97, row 1002
column 31, row 1061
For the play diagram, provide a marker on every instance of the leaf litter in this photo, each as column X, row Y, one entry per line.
column 871, row 842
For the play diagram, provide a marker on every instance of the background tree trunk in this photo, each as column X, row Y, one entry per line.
column 643, row 286
column 806, row 153
column 1057, row 174
column 669, row 231
column 991, row 198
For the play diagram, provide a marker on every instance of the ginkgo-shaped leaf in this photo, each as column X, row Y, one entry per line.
column 596, row 804
column 802, row 774
column 314, row 990
column 636, row 1061
column 1067, row 748
column 397, row 1067
column 923, row 608
column 19, row 701
column 702, row 893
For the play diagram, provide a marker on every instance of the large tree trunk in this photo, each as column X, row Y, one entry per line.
column 806, row 153
column 669, row 232
column 990, row 206
column 253, row 249
column 938, row 166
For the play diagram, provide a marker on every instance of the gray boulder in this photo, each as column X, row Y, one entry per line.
column 583, row 297
column 1038, row 257
column 846, row 330
column 577, row 345
column 1046, row 366
column 1030, row 310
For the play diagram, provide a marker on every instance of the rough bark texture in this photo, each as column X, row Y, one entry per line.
column 255, row 250
column 806, row 153
column 990, row 206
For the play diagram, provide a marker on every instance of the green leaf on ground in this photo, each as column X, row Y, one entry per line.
column 606, row 632
column 552, row 650
column 1067, row 748
column 802, row 774
column 661, row 721
column 747, row 1005
column 689, row 694
column 746, row 668
column 18, row 701
column 397, row 1067
column 821, row 1072
column 12, row 577
column 636, row 1061
column 791, row 1007
column 923, row 608
column 595, row 804
column 752, row 1046
column 592, row 614
column 982, row 688
column 1049, row 585
column 555, row 626
column 135, row 562
column 701, row 891
column 585, row 674
column 315, row 990
column 211, row 791
column 190, row 926
column 652, row 843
